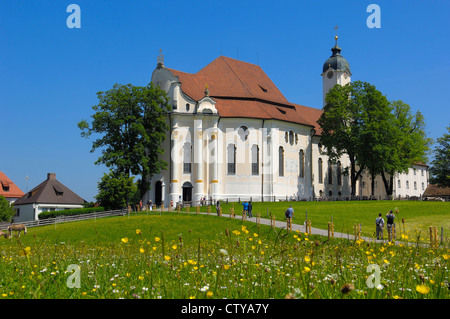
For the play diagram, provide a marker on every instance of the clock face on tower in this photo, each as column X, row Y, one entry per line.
column 330, row 74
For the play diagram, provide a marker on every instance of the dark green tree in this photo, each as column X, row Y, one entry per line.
column 375, row 128
column 116, row 190
column 440, row 166
column 6, row 210
column 130, row 124
column 406, row 141
column 342, row 123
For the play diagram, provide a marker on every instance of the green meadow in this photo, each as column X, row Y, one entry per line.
column 178, row 255
column 417, row 216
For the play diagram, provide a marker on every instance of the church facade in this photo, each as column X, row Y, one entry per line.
column 233, row 135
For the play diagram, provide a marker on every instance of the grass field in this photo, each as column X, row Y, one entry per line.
column 417, row 216
column 197, row 256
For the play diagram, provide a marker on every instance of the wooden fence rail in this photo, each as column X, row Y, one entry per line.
column 65, row 219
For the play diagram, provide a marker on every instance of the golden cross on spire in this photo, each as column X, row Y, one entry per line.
column 160, row 58
column 335, row 30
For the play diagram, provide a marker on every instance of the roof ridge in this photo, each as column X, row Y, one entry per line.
column 232, row 70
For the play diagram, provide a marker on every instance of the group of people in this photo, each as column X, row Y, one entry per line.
column 379, row 223
column 247, row 208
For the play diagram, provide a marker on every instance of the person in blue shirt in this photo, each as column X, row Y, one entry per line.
column 289, row 214
column 245, row 207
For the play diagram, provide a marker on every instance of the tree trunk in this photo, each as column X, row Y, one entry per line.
column 373, row 182
column 354, row 175
column 388, row 185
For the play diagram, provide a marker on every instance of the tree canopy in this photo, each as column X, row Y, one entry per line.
column 378, row 135
column 440, row 166
column 130, row 124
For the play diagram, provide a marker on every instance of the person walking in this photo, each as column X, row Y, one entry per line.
column 289, row 215
column 249, row 208
column 379, row 222
column 245, row 207
column 390, row 224
column 218, row 208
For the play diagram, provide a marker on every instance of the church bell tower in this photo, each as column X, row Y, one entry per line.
column 336, row 70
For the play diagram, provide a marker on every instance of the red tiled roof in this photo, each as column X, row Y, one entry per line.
column 242, row 89
column 8, row 189
column 434, row 190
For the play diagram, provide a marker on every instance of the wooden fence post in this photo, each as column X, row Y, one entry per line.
column 288, row 224
column 329, row 230
column 431, row 235
column 332, row 229
column 436, row 236
column 208, row 210
column 197, row 209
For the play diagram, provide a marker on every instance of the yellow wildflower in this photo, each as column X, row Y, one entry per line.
column 157, row 239
column 174, row 247
column 25, row 252
column 306, row 269
column 226, row 267
column 142, row 250
column 138, row 232
column 166, row 258
column 307, row 259
column 124, row 240
column 209, row 294
column 423, row 289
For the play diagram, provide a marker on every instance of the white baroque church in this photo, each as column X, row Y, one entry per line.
column 233, row 135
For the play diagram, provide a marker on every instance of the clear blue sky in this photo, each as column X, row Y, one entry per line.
column 50, row 74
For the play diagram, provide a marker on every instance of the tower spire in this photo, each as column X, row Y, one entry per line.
column 335, row 31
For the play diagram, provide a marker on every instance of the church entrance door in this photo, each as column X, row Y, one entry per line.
column 187, row 192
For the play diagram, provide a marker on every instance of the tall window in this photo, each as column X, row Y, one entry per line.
column 255, row 160
column 330, row 172
column 231, row 159
column 281, row 161
column 301, row 163
column 291, row 137
column 320, row 171
column 407, row 184
column 339, row 173
column 187, row 158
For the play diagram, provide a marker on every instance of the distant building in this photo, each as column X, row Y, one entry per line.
column 8, row 189
column 234, row 135
column 50, row 195
column 434, row 192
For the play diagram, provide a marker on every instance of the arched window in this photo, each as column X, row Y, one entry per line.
column 291, row 137
column 320, row 171
column 243, row 133
column 339, row 173
column 301, row 163
column 330, row 172
column 255, row 160
column 187, row 158
column 281, row 161
column 231, row 159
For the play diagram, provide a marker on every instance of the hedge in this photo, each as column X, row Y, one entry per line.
column 70, row 212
